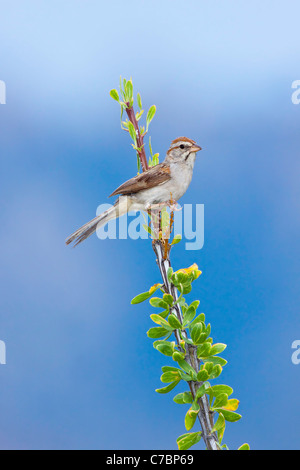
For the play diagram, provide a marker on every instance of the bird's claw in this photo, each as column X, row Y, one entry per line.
column 173, row 206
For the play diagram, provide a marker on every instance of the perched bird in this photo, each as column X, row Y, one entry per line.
column 157, row 185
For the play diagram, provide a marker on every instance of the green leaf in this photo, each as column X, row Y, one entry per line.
column 155, row 160
column 217, row 370
column 224, row 446
column 181, row 302
column 129, row 91
column 209, row 367
column 121, row 88
column 150, row 148
column 202, row 375
column 176, row 239
column 187, row 341
column 140, row 298
column 174, row 322
column 187, row 368
column 182, row 277
column 179, row 399
column 217, row 348
column 149, row 230
column 190, row 418
column 158, row 302
column 220, row 400
column 168, row 298
column 169, row 273
column 244, row 447
column 138, row 162
column 186, row 377
column 188, row 440
column 196, row 304
column 157, row 332
column 230, row 416
column 139, row 100
column 187, row 397
column 165, row 219
column 132, row 131
column 189, row 315
column 202, row 390
column 178, row 356
column 203, row 350
column 216, row 360
column 199, row 319
column 221, row 435
column 202, row 338
column 114, row 94
column 160, row 321
column 187, row 289
column 168, row 388
column 125, row 124
column 232, row 404
column 216, row 390
column 219, row 424
column 195, row 407
column 164, row 347
column 139, row 115
column 169, row 376
column 208, row 329
column 164, row 314
column 150, row 116
column 183, row 398
column 169, row 368
column 196, row 332
column 122, row 111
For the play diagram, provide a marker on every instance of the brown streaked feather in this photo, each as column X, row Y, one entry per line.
column 156, row 175
column 183, row 139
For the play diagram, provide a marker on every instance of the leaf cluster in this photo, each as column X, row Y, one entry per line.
column 194, row 334
column 125, row 98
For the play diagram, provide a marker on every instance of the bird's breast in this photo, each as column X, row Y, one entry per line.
column 181, row 174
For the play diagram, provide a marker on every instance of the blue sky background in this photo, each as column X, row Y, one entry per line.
column 80, row 370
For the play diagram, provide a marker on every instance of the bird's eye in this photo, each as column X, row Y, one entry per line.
column 182, row 146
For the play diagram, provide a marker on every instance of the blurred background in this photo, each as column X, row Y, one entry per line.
column 81, row 372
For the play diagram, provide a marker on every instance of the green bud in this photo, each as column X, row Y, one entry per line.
column 115, row 95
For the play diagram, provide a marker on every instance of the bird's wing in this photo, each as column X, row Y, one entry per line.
column 155, row 176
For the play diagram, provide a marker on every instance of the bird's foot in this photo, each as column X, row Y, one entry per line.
column 174, row 206
column 154, row 207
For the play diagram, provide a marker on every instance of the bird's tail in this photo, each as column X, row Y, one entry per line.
column 120, row 208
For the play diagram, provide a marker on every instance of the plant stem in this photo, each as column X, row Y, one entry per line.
column 205, row 417
column 139, row 138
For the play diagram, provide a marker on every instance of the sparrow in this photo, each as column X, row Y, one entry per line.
column 159, row 184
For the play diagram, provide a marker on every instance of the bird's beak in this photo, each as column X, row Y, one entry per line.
column 195, row 148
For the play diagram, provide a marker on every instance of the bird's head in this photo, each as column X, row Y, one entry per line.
column 181, row 149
